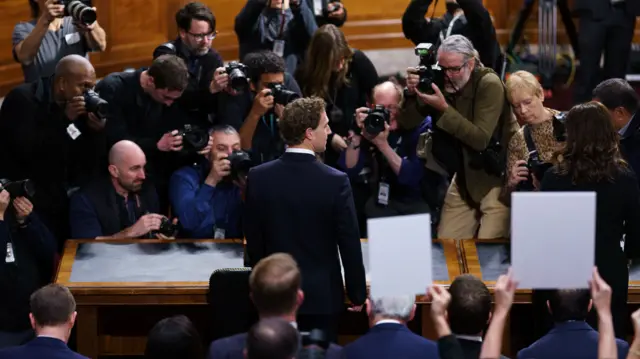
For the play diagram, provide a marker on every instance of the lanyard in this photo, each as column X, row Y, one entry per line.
column 271, row 125
column 282, row 24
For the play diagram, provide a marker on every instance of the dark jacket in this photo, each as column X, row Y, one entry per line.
column 390, row 341
column 95, row 210
column 34, row 249
column 601, row 9
column 630, row 143
column 569, row 340
column 197, row 100
column 39, row 348
column 300, row 206
column 472, row 349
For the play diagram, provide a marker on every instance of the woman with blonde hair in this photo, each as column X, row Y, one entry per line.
column 590, row 161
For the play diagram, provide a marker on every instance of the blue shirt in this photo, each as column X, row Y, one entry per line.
column 200, row 208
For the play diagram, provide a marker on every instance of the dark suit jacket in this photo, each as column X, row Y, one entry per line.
column 567, row 341
column 390, row 341
column 300, row 206
column 600, row 9
column 39, row 348
column 471, row 349
column 232, row 348
column 630, row 143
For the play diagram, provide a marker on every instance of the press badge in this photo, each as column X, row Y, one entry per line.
column 383, row 193
column 72, row 38
column 218, row 233
column 73, row 131
column 9, row 258
column 278, row 47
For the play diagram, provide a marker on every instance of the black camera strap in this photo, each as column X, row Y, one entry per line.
column 528, row 138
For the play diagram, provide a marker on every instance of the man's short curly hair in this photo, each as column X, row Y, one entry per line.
column 298, row 116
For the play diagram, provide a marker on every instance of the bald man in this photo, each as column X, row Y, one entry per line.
column 400, row 176
column 49, row 138
column 120, row 206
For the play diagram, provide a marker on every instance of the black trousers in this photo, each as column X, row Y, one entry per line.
column 328, row 323
column 613, row 36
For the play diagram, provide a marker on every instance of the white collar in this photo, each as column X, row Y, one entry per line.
column 387, row 321
column 301, row 150
column 294, row 324
column 473, row 338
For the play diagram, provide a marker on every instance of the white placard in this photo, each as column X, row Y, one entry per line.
column 400, row 255
column 553, row 239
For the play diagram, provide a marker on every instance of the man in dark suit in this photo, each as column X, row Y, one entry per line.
column 469, row 313
column 53, row 314
column 298, row 205
column 571, row 337
column 389, row 336
column 605, row 26
column 275, row 291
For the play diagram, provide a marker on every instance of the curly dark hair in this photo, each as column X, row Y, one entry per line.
column 591, row 152
column 298, row 116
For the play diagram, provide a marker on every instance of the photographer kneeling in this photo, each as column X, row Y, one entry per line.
column 206, row 197
column 471, row 122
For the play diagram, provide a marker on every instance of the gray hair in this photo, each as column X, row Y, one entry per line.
column 226, row 129
column 461, row 45
column 396, row 307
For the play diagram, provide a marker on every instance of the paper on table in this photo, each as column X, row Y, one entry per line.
column 400, row 255
column 553, row 239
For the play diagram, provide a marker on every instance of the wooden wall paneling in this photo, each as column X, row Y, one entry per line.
column 11, row 12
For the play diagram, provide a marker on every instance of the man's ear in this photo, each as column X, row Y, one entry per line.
column 300, row 298
column 549, row 307
column 367, row 305
column 113, row 171
column 412, row 314
column 72, row 319
column 32, row 320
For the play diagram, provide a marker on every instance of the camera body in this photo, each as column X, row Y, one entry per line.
column 376, row 119
column 79, row 10
column 167, row 228
column 238, row 79
column 194, row 139
column 281, row 95
column 428, row 70
column 95, row 105
column 22, row 188
column 536, row 168
column 331, row 8
column 240, row 164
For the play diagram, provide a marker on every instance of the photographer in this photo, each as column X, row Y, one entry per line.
column 39, row 44
column 50, row 138
column 471, row 122
column 463, row 17
column 328, row 12
column 28, row 249
column 282, row 26
column 255, row 114
column 542, row 131
column 197, row 29
column 124, row 205
column 206, row 197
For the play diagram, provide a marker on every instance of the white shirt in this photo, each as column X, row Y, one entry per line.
column 301, row 150
column 387, row 321
column 473, row 338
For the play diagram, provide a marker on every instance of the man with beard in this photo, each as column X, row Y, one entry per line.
column 196, row 30
column 123, row 205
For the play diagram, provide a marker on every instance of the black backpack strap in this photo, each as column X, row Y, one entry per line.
column 531, row 146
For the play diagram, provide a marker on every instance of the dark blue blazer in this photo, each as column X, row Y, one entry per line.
column 567, row 341
column 298, row 205
column 391, row 341
column 232, row 348
column 39, row 348
column 630, row 144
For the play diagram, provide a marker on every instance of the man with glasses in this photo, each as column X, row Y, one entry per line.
column 472, row 123
column 196, row 30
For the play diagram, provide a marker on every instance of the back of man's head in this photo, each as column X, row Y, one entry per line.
column 615, row 93
column 401, row 308
column 275, row 285
column 263, row 62
column 299, row 116
column 566, row 305
column 169, row 72
column 52, row 306
column 470, row 306
column 174, row 337
column 272, row 338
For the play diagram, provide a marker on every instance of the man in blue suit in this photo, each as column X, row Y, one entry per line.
column 275, row 290
column 300, row 206
column 53, row 314
column 571, row 337
column 389, row 337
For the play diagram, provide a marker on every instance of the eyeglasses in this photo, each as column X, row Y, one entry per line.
column 200, row 37
column 454, row 69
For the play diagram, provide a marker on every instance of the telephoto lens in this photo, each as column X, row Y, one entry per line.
column 80, row 11
column 375, row 120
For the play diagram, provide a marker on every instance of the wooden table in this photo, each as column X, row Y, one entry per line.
column 114, row 317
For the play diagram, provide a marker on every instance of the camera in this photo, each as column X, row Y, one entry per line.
column 194, row 139
column 79, row 10
column 376, row 119
column 22, row 188
column 428, row 70
column 95, row 105
column 237, row 72
column 167, row 228
column 331, row 8
column 314, row 345
column 281, row 95
column 240, row 164
column 536, row 168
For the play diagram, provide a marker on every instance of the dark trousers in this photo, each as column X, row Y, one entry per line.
column 328, row 323
column 613, row 36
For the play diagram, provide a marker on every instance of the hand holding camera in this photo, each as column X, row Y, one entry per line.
column 53, row 9
column 220, row 168
column 147, row 223
column 518, row 173
column 220, row 81
column 23, row 208
column 413, row 79
column 170, row 141
column 335, row 10
column 262, row 103
column 5, row 198
column 75, row 108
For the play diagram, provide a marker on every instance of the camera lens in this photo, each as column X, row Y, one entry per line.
column 374, row 123
column 95, row 104
column 240, row 162
column 81, row 12
column 238, row 80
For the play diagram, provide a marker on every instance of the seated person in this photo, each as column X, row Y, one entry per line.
column 255, row 114
column 469, row 313
column 272, row 338
column 174, row 337
column 204, row 197
column 124, row 205
column 391, row 157
column 389, row 337
column 571, row 337
column 275, row 290
column 53, row 314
